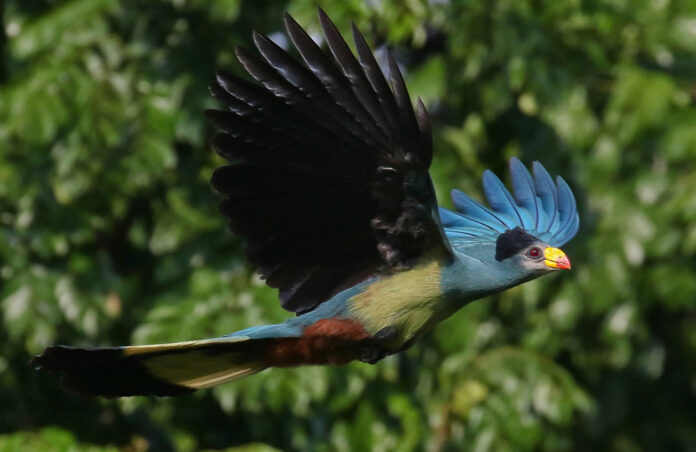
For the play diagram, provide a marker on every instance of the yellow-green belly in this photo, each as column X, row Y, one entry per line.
column 410, row 301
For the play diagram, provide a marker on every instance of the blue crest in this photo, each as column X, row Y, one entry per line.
column 544, row 209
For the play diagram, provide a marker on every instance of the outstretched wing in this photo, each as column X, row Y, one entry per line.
column 328, row 176
column 544, row 209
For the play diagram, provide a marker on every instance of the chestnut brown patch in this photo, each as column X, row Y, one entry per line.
column 327, row 341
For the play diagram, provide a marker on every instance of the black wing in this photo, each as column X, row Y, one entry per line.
column 328, row 177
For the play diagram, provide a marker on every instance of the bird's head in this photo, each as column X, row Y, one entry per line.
column 517, row 238
column 530, row 256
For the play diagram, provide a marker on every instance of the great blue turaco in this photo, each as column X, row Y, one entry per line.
column 328, row 185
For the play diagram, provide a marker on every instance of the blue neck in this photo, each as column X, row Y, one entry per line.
column 476, row 274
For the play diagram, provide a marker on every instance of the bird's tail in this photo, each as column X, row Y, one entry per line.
column 181, row 367
column 163, row 369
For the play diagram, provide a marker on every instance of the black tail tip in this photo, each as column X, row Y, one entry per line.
column 50, row 359
column 64, row 358
column 104, row 372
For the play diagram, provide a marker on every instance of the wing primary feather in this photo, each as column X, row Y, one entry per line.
column 281, row 88
column 303, row 79
column 229, row 101
column 237, row 127
column 270, row 139
column 259, row 103
column 403, row 100
column 379, row 85
column 334, row 82
column 353, row 72
column 426, row 132
column 242, row 150
column 251, row 113
column 249, row 100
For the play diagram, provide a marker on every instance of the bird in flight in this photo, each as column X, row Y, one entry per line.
column 328, row 184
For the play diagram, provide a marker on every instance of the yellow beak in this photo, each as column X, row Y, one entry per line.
column 555, row 258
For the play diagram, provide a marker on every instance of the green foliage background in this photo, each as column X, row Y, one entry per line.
column 109, row 232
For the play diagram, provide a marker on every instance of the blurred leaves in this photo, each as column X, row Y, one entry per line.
column 48, row 439
column 109, row 231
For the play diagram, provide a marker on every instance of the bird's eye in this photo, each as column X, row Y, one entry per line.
column 534, row 252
